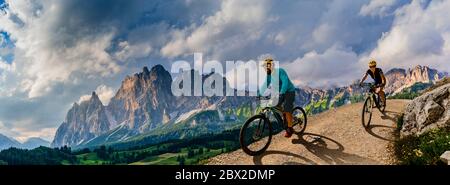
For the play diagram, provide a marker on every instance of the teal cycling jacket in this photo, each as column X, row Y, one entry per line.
column 285, row 83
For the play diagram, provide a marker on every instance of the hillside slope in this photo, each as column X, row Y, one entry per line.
column 343, row 140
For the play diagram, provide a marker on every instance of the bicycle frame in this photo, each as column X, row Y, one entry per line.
column 374, row 97
column 277, row 113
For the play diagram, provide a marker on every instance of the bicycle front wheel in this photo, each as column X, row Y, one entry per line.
column 367, row 112
column 256, row 135
column 382, row 108
column 299, row 120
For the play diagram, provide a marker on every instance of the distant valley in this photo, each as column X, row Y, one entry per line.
column 144, row 111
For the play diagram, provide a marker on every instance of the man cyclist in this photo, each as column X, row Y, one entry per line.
column 286, row 91
column 379, row 78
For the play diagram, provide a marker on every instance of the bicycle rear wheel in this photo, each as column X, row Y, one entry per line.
column 367, row 112
column 299, row 120
column 255, row 135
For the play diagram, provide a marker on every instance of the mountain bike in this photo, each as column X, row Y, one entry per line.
column 372, row 99
column 256, row 133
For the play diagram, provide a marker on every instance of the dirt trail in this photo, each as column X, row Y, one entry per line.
column 343, row 140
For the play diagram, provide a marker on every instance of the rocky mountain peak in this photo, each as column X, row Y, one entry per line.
column 145, row 70
column 396, row 71
column 422, row 74
column 141, row 100
column 157, row 69
column 145, row 101
column 83, row 122
column 94, row 97
column 398, row 79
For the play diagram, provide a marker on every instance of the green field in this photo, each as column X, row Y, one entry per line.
column 196, row 157
column 176, row 152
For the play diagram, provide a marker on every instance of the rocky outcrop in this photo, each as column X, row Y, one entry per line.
column 142, row 103
column 395, row 79
column 429, row 111
column 145, row 102
column 445, row 157
column 399, row 79
column 84, row 121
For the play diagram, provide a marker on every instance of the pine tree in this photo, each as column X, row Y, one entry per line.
column 182, row 160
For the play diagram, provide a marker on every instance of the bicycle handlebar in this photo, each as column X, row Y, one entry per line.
column 370, row 85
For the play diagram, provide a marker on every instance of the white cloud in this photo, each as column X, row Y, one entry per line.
column 127, row 51
column 337, row 66
column 237, row 23
column 4, row 130
column 377, row 8
column 61, row 49
column 104, row 93
column 420, row 35
column 6, row 70
column 45, row 53
column 6, row 66
column 44, row 133
column 83, row 98
column 64, row 48
column 323, row 33
column 22, row 134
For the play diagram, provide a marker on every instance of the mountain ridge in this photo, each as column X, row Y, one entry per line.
column 30, row 143
column 144, row 103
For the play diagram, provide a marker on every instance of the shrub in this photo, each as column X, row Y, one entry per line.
column 425, row 149
column 400, row 122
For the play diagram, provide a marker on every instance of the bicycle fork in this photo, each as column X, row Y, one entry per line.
column 376, row 99
column 259, row 131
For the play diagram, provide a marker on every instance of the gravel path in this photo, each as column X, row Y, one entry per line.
column 343, row 140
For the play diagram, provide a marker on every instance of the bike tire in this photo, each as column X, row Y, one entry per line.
column 243, row 132
column 305, row 120
column 367, row 105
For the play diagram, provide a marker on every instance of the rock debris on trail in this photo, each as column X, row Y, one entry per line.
column 343, row 140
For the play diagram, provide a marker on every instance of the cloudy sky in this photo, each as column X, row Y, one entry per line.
column 54, row 53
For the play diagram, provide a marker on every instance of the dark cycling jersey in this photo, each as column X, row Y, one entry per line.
column 377, row 76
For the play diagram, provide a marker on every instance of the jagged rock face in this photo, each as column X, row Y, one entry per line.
column 395, row 79
column 398, row 79
column 143, row 100
column 422, row 74
column 431, row 110
column 83, row 122
column 304, row 96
